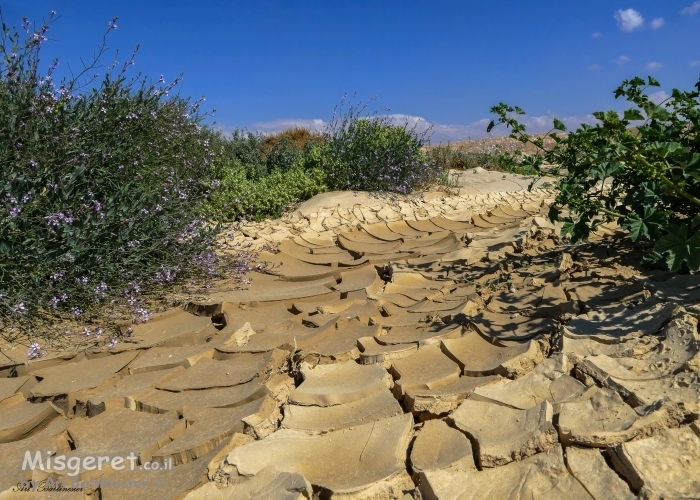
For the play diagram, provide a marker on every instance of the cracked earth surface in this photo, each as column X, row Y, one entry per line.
column 451, row 347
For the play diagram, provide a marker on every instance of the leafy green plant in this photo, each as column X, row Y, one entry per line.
column 238, row 197
column 101, row 186
column 260, row 176
column 247, row 148
column 640, row 168
column 283, row 155
column 261, row 154
column 368, row 152
column 448, row 156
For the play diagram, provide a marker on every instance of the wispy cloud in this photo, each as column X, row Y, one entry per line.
column 622, row 60
column 658, row 97
column 594, row 67
column 691, row 9
column 654, row 65
column 694, row 64
column 274, row 126
column 438, row 132
column 628, row 20
column 657, row 23
column 477, row 130
column 597, row 34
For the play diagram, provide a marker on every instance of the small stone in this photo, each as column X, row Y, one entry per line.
column 590, row 468
column 439, row 446
column 541, row 476
column 518, row 434
column 663, row 466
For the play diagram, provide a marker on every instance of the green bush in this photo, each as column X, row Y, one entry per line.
column 100, row 187
column 260, row 176
column 646, row 177
column 369, row 153
column 239, row 197
column 449, row 157
column 246, row 148
column 260, row 154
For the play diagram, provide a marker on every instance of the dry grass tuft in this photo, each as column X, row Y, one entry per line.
column 299, row 136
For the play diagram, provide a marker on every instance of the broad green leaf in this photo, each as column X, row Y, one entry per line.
column 633, row 114
column 692, row 167
column 646, row 227
column 657, row 112
column 554, row 213
column 568, row 228
column 653, row 82
column 665, row 149
column 579, row 231
column 654, row 260
column 636, row 227
column 490, row 127
column 605, row 170
column 559, row 125
column 600, row 115
column 644, row 195
column 679, row 248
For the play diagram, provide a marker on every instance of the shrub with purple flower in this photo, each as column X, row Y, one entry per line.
column 100, row 183
column 368, row 152
column 35, row 351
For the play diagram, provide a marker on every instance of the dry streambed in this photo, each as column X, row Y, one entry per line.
column 441, row 351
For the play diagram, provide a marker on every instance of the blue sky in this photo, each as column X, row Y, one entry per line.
column 265, row 65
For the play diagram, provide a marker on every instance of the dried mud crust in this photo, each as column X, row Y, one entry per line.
column 452, row 350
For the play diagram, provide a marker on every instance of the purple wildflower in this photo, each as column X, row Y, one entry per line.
column 35, row 351
column 56, row 219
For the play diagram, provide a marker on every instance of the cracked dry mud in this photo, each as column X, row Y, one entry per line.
column 453, row 348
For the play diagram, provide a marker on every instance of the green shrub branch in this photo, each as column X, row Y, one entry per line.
column 640, row 168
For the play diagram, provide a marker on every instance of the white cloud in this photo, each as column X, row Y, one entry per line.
column 274, row 126
column 658, row 97
column 438, row 132
column 597, row 34
column 477, row 130
column 694, row 64
column 628, row 20
column 654, row 65
column 691, row 9
column 657, row 23
column 541, row 124
column 594, row 67
column 622, row 60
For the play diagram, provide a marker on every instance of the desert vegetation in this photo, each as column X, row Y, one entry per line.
column 640, row 168
column 491, row 154
column 114, row 188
